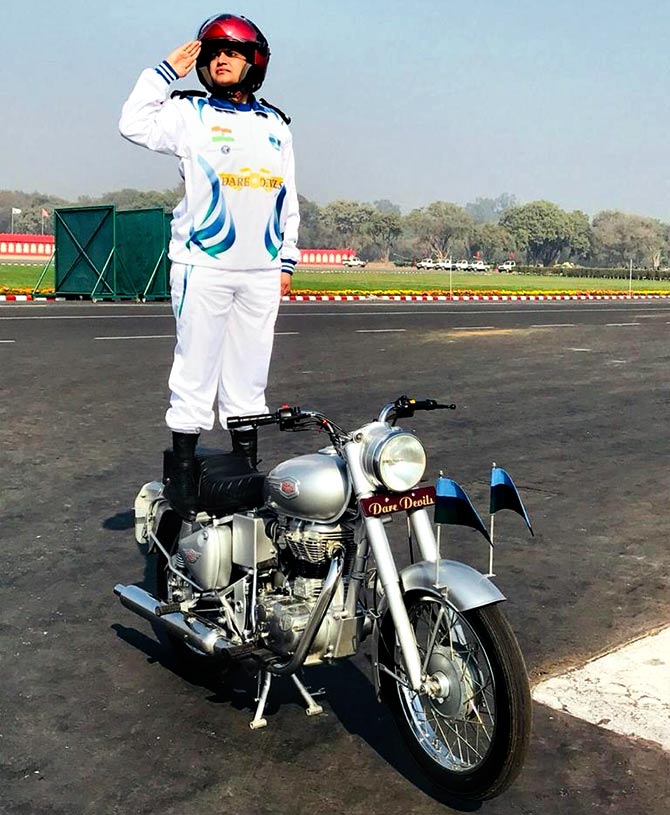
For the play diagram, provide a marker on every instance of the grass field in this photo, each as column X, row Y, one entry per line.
column 16, row 278
column 417, row 281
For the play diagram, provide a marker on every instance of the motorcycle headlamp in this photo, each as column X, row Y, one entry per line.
column 394, row 459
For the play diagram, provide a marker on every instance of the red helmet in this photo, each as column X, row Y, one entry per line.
column 245, row 37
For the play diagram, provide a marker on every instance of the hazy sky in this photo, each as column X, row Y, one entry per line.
column 411, row 101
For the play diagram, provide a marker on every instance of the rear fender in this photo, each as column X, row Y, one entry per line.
column 144, row 504
column 463, row 587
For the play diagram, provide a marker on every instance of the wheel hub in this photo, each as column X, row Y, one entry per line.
column 450, row 685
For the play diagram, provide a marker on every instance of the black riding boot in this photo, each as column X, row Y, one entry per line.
column 245, row 443
column 181, row 490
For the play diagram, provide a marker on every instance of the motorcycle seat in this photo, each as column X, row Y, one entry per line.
column 226, row 482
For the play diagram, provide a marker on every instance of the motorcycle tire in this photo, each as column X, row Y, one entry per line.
column 472, row 743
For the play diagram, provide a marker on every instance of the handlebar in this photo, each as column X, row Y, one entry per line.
column 291, row 418
column 284, row 417
column 404, row 407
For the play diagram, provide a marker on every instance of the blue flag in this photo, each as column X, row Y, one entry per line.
column 452, row 506
column 504, row 495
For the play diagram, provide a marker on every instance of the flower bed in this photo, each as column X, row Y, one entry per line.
column 476, row 292
column 27, row 290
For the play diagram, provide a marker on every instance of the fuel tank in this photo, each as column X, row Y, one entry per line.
column 315, row 487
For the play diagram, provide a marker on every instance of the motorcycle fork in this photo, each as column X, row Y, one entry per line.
column 386, row 568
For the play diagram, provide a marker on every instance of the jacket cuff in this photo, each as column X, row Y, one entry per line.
column 287, row 266
column 167, row 72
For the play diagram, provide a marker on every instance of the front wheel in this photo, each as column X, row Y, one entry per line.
column 470, row 731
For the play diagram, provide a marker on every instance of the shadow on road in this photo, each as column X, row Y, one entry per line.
column 120, row 521
column 348, row 692
column 351, row 696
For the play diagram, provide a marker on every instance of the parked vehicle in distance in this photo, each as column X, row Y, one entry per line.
column 462, row 265
column 479, row 266
column 446, row 264
column 354, row 262
column 507, row 266
column 426, row 263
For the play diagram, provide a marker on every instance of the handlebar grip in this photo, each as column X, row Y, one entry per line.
column 432, row 404
column 284, row 417
column 253, row 419
column 404, row 406
column 424, row 404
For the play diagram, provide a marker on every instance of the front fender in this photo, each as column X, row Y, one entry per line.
column 460, row 585
column 466, row 588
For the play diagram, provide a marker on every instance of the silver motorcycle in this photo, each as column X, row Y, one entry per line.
column 294, row 568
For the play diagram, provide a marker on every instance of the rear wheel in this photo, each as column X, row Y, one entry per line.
column 470, row 733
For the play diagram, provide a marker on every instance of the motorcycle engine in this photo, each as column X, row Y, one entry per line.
column 306, row 549
column 312, row 545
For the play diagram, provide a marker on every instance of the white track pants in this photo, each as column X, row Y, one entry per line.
column 225, row 330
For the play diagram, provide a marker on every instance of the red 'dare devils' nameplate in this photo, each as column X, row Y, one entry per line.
column 387, row 503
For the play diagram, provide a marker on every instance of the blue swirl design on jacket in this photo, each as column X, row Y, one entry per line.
column 274, row 237
column 217, row 224
column 198, row 103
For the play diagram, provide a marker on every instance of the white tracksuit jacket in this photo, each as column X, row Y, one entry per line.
column 240, row 209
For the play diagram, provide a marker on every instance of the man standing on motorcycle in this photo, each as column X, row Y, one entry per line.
column 234, row 234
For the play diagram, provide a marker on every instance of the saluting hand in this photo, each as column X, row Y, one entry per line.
column 183, row 58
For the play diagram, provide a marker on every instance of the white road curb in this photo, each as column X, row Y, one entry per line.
column 626, row 691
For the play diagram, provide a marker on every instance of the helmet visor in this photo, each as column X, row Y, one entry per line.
column 230, row 48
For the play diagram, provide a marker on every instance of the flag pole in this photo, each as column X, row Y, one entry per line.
column 490, row 574
column 437, row 549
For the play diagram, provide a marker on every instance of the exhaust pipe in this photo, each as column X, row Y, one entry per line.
column 191, row 630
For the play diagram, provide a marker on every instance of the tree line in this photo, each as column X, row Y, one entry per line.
column 495, row 229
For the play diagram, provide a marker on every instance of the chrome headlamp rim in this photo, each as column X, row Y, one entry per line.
column 387, row 474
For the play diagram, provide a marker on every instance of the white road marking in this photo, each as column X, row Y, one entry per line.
column 7, row 340
column 431, row 308
column 140, row 337
column 587, row 350
column 379, row 330
column 169, row 336
column 88, row 317
column 626, row 691
column 472, row 328
column 553, row 325
column 299, row 310
column 619, row 325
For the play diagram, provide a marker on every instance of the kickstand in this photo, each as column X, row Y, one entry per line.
column 264, row 682
column 312, row 708
column 264, row 677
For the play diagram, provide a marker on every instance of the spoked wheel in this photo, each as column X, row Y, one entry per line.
column 470, row 729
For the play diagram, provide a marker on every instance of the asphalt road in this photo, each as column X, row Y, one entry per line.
column 571, row 398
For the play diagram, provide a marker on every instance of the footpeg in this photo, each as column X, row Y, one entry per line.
column 167, row 608
column 236, row 652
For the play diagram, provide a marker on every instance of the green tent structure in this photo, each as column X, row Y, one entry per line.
column 105, row 254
